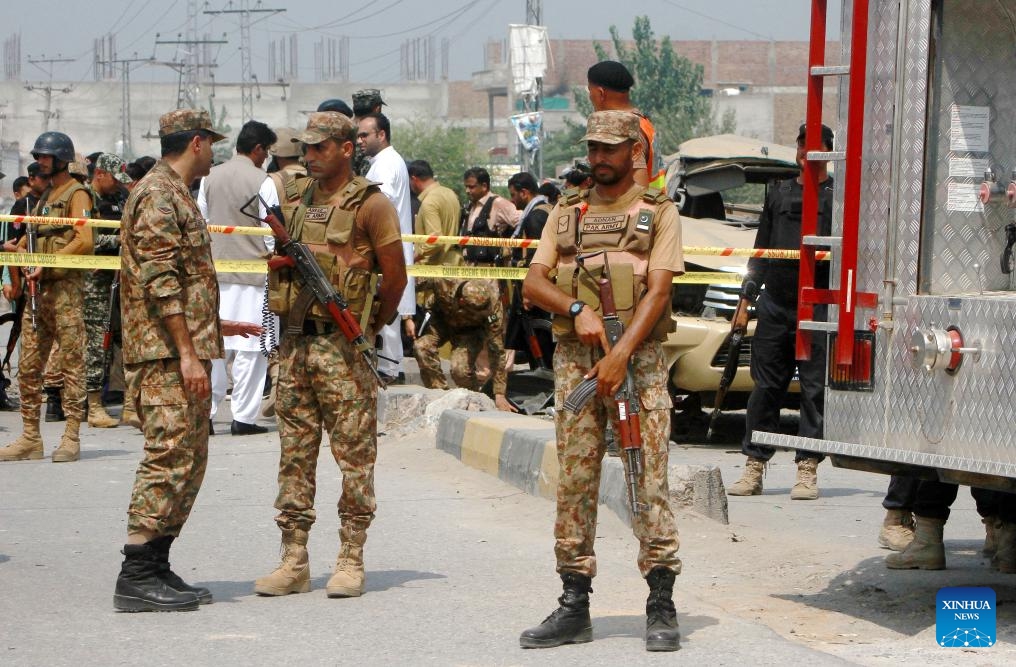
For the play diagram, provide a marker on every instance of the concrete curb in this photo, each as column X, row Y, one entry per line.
column 522, row 451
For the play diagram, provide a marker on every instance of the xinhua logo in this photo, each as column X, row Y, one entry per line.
column 965, row 617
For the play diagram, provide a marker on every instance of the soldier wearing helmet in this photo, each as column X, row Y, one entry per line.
column 60, row 305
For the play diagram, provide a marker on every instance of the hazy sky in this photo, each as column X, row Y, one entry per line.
column 376, row 29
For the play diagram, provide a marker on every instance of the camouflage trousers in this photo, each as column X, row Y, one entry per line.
column 467, row 344
column 175, row 424
column 97, row 285
column 325, row 385
column 59, row 321
column 580, row 451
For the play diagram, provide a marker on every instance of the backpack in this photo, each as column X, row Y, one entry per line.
column 481, row 254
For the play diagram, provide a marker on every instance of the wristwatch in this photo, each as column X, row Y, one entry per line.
column 576, row 308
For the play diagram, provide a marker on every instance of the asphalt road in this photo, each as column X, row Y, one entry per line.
column 458, row 564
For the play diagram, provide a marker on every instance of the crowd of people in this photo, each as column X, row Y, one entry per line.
column 168, row 333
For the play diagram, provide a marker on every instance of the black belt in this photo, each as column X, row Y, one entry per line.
column 318, row 328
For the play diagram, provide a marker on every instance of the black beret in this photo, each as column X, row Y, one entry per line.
column 336, row 105
column 612, row 75
column 827, row 135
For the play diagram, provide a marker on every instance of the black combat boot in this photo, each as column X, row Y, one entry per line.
column 662, row 632
column 139, row 588
column 569, row 623
column 161, row 545
column 54, row 405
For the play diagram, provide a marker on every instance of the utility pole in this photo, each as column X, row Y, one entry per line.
column 247, row 80
column 187, row 82
column 47, row 90
column 534, row 16
column 125, row 98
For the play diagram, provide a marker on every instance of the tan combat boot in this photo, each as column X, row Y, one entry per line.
column 129, row 416
column 293, row 573
column 70, row 444
column 28, row 445
column 926, row 552
column 991, row 525
column 347, row 580
column 97, row 415
column 750, row 483
column 806, row 487
column 1005, row 552
column 897, row 530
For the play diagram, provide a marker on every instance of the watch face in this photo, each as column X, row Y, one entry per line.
column 576, row 308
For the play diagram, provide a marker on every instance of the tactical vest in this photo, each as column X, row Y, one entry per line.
column 52, row 238
column 624, row 239
column 458, row 315
column 351, row 273
column 287, row 185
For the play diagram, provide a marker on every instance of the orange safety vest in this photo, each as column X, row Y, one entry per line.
column 656, row 172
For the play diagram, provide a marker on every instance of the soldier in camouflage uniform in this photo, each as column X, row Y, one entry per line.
column 108, row 181
column 365, row 101
column 60, row 305
column 469, row 315
column 638, row 231
column 171, row 332
column 324, row 383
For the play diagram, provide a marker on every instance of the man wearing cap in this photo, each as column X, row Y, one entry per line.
column 609, row 83
column 222, row 195
column 771, row 286
column 324, row 382
column 59, row 316
column 109, row 177
column 171, row 332
column 366, row 101
column 637, row 231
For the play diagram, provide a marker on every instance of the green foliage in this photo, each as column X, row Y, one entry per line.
column 222, row 150
column 449, row 150
column 667, row 88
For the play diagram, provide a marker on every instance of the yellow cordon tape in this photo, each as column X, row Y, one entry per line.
column 91, row 262
column 760, row 253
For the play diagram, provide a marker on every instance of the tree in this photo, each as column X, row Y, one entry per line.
column 449, row 150
column 668, row 89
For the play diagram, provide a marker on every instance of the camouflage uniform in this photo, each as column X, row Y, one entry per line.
column 167, row 270
column 99, row 282
column 451, row 323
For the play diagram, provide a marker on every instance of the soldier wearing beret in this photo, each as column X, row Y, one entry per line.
column 637, row 232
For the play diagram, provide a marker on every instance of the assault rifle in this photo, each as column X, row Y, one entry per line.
column 107, row 330
column 627, row 425
column 730, row 369
column 32, row 288
column 296, row 255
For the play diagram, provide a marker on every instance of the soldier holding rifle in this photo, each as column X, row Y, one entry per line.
column 636, row 232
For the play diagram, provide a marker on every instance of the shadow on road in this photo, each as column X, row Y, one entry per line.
column 904, row 600
column 635, row 626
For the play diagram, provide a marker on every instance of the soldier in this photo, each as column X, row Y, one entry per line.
column 323, row 381
column 171, row 332
column 643, row 262
column 59, row 316
column 108, row 180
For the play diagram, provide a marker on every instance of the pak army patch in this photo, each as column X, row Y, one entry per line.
column 317, row 214
column 644, row 222
column 602, row 224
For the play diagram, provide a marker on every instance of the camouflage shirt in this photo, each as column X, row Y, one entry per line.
column 167, row 269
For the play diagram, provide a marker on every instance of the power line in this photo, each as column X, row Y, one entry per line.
column 716, row 20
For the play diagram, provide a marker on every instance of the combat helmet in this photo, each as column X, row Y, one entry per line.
column 57, row 144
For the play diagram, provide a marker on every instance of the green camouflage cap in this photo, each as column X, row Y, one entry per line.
column 185, row 120
column 611, row 127
column 287, row 143
column 115, row 165
column 78, row 167
column 323, row 125
column 365, row 100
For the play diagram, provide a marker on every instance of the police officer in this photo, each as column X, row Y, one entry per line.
column 59, row 316
column 324, row 382
column 638, row 231
column 109, row 178
column 771, row 284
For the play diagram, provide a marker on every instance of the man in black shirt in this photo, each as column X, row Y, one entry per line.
column 37, row 182
column 773, row 282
